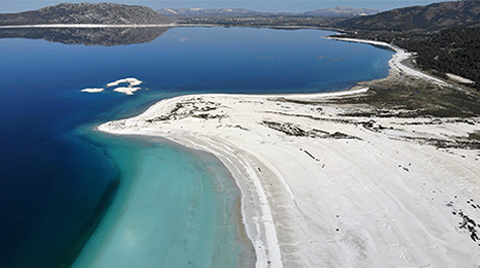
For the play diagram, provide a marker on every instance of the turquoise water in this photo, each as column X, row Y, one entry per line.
column 58, row 176
column 178, row 208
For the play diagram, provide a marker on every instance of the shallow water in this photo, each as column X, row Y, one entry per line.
column 178, row 208
column 57, row 176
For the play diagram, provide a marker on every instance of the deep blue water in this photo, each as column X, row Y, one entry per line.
column 57, row 175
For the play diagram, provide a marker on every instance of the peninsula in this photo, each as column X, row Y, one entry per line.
column 385, row 174
column 369, row 177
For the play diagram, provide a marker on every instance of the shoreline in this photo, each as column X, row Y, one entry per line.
column 89, row 26
column 274, row 144
column 134, row 220
column 265, row 242
column 174, row 24
column 396, row 63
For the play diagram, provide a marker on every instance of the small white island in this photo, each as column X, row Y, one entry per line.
column 129, row 89
column 92, row 90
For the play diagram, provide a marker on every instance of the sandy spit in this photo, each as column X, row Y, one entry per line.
column 320, row 189
column 324, row 189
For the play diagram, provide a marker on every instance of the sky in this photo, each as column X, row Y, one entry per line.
column 10, row 6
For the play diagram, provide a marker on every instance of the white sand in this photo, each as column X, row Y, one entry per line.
column 375, row 199
column 396, row 63
column 131, row 81
column 460, row 79
column 92, row 90
column 126, row 90
column 325, row 190
column 129, row 89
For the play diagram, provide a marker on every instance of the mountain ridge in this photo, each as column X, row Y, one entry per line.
column 339, row 11
column 86, row 13
column 181, row 12
column 434, row 16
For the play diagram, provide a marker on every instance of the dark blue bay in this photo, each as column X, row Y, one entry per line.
column 57, row 176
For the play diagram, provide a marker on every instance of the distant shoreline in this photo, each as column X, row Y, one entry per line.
column 396, row 63
column 87, row 26
column 161, row 26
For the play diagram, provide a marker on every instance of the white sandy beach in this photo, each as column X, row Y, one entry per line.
column 324, row 189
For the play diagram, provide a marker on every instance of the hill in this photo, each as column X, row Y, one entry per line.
column 85, row 13
column 201, row 12
column 434, row 16
column 339, row 11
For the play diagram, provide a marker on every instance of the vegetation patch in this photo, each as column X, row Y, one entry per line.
column 414, row 99
column 295, row 130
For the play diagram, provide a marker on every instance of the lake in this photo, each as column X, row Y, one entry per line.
column 68, row 191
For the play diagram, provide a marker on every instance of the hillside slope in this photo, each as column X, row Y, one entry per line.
column 85, row 13
column 435, row 16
